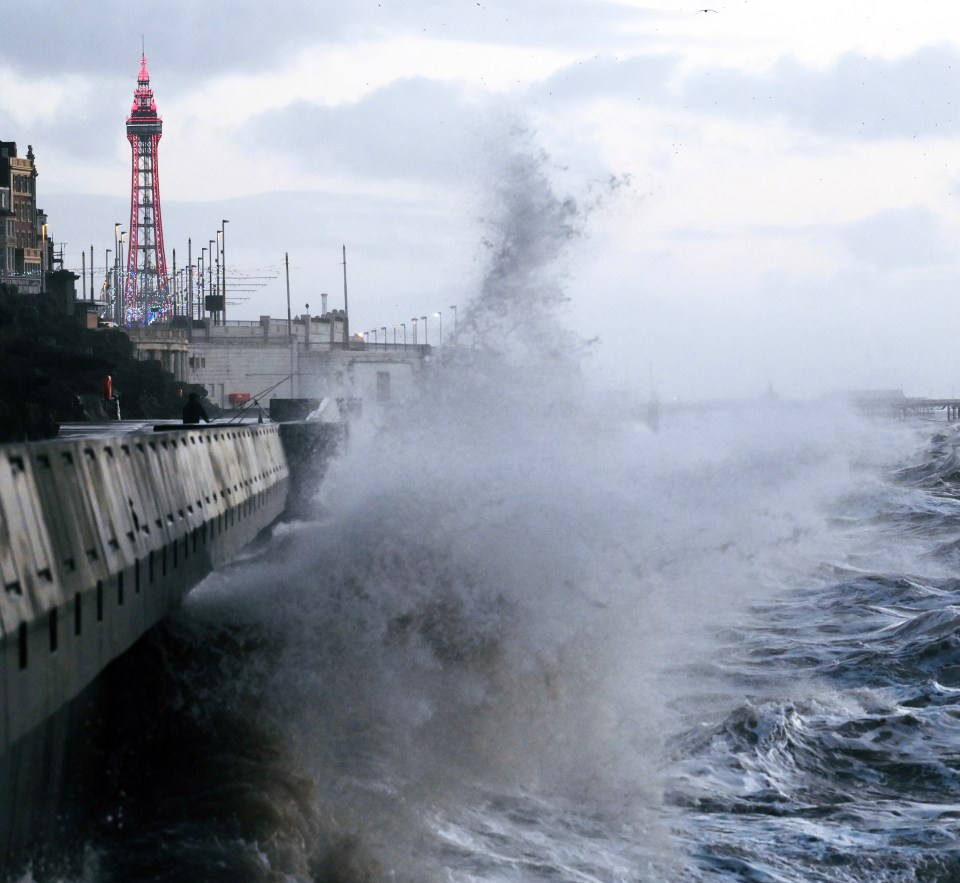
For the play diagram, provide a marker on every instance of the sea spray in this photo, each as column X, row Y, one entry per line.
column 507, row 588
column 471, row 659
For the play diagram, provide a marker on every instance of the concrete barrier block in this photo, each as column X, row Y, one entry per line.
column 108, row 505
column 27, row 534
column 64, row 501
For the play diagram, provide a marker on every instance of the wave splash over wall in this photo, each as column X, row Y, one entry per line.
column 468, row 663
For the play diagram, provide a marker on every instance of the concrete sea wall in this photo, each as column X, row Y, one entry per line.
column 101, row 537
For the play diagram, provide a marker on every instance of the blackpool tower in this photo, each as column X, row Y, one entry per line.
column 145, row 292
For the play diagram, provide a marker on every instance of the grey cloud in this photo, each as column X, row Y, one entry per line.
column 899, row 239
column 414, row 128
column 203, row 39
column 643, row 77
column 90, row 127
column 192, row 38
column 896, row 239
column 856, row 97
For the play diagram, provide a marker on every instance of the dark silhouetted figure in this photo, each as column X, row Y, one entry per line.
column 193, row 411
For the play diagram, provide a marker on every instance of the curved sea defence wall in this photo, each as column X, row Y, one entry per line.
column 101, row 537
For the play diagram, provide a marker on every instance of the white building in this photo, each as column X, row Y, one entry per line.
column 239, row 361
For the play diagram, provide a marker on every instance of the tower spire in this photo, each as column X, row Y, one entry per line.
column 145, row 293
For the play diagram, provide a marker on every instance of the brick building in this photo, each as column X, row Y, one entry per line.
column 23, row 238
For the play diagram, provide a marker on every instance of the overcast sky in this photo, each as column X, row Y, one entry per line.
column 761, row 194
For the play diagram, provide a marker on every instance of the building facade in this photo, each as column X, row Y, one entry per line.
column 7, row 235
column 237, row 362
column 23, row 228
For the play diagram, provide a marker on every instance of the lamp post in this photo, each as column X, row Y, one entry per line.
column 454, row 308
column 201, row 283
column 216, row 285
column 394, row 334
column 106, row 279
column 190, row 279
column 122, row 276
column 426, row 331
column 403, row 325
column 223, row 265
column 439, row 316
column 374, row 338
column 210, row 289
column 413, row 321
column 43, row 257
column 383, row 328
column 117, row 303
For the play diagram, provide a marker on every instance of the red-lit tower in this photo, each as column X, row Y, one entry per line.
column 146, row 290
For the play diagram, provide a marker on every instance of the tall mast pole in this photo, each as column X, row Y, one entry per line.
column 223, row 264
column 190, row 279
column 210, row 282
column 286, row 261
column 346, row 309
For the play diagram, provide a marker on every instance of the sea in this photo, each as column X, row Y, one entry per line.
column 527, row 632
column 560, row 645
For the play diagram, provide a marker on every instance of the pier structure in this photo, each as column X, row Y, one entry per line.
column 144, row 295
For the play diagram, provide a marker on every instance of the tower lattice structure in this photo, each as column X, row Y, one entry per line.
column 145, row 293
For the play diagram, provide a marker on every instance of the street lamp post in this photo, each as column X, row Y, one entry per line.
column 210, row 288
column 106, row 278
column 394, row 334
column 413, row 321
column 383, row 328
column 403, row 325
column 43, row 257
column 439, row 316
column 117, row 302
column 201, row 283
column 190, row 278
column 216, row 285
column 223, row 265
column 122, row 276
column 426, row 331
column 454, row 308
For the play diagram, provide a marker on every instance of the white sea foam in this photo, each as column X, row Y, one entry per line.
column 509, row 581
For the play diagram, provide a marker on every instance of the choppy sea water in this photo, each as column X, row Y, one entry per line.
column 522, row 636
column 561, row 646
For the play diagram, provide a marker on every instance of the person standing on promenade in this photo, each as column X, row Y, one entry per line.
column 193, row 411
